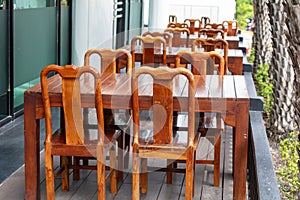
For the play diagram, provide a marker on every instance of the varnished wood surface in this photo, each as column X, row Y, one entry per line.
column 235, row 57
column 227, row 95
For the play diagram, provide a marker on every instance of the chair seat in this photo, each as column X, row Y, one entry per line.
column 206, row 124
column 148, row 149
column 86, row 150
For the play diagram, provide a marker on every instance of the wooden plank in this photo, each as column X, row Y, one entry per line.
column 170, row 191
column 125, row 87
column 86, row 191
column 145, row 85
column 180, row 86
column 202, row 83
column 115, row 81
column 241, row 87
column 228, row 87
column 215, row 89
column 212, row 193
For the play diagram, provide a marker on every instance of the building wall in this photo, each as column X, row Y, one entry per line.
column 92, row 27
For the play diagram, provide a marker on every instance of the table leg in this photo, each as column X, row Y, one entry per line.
column 240, row 150
column 31, row 149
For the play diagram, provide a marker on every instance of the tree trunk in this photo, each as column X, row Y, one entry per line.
column 282, row 75
column 262, row 34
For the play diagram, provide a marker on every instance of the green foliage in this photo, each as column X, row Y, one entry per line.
column 244, row 11
column 288, row 173
column 251, row 56
column 264, row 87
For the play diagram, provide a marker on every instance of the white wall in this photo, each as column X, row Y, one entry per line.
column 92, row 27
column 158, row 17
column 217, row 10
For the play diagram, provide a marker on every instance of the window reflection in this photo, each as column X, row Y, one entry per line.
column 25, row 4
column 2, row 4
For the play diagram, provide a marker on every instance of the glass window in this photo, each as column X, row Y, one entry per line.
column 24, row 4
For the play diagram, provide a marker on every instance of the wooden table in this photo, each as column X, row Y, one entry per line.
column 233, row 41
column 235, row 57
column 227, row 95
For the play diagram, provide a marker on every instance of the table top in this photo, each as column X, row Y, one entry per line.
column 227, row 38
column 116, row 91
column 174, row 50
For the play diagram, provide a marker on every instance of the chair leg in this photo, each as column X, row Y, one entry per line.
column 76, row 172
column 144, row 176
column 217, row 148
column 233, row 150
column 194, row 167
column 135, row 177
column 189, row 174
column 49, row 173
column 170, row 165
column 101, row 172
column 127, row 146
column 65, row 173
column 113, row 178
column 120, row 158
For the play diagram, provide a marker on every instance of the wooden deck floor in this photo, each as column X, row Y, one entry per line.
column 13, row 187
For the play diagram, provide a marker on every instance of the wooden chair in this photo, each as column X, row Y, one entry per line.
column 181, row 36
column 149, row 45
column 211, row 33
column 177, row 25
column 202, row 63
column 113, row 61
column 204, row 20
column 209, row 124
column 214, row 26
column 192, row 23
column 231, row 27
column 211, row 44
column 72, row 139
column 167, row 36
column 172, row 18
column 161, row 142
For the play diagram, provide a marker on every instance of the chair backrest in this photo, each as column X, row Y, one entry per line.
column 177, row 25
column 210, row 44
column 211, row 33
column 181, row 36
column 172, row 18
column 167, row 36
column 71, row 101
column 202, row 63
column 112, row 61
column 231, row 27
column 162, row 103
column 194, row 25
column 149, row 47
column 204, row 20
column 214, row 26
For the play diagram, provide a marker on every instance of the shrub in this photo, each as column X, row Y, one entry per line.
column 264, row 87
column 288, row 173
column 251, row 56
